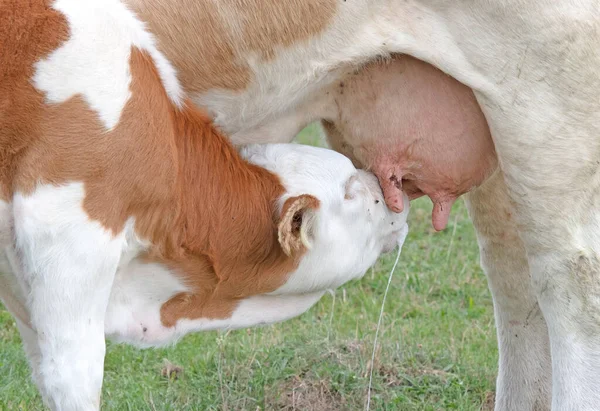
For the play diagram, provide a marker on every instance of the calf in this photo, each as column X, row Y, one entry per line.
column 125, row 213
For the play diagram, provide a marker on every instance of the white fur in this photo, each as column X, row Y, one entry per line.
column 11, row 291
column 133, row 313
column 95, row 58
column 257, row 310
column 5, row 224
column 29, row 339
column 69, row 263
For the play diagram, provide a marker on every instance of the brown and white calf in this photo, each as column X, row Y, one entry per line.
column 124, row 213
column 263, row 69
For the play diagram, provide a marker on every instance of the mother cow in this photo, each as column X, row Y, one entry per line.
column 262, row 68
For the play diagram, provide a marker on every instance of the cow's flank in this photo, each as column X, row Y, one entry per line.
column 227, row 32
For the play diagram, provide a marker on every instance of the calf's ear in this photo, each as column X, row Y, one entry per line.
column 298, row 217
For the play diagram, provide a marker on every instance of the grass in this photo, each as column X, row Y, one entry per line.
column 437, row 344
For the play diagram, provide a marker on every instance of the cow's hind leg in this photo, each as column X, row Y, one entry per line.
column 524, row 368
column 68, row 263
column 544, row 113
column 561, row 233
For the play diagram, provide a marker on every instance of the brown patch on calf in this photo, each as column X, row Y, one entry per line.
column 129, row 171
column 208, row 42
column 29, row 31
column 211, row 217
column 230, row 249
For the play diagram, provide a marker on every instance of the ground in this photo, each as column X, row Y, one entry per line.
column 437, row 344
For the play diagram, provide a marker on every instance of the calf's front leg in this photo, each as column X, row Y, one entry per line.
column 68, row 263
column 525, row 370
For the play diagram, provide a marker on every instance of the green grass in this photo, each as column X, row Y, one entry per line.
column 437, row 344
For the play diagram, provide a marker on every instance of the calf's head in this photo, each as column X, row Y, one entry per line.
column 272, row 246
column 333, row 216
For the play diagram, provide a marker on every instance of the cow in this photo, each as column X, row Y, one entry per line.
column 125, row 213
column 264, row 69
